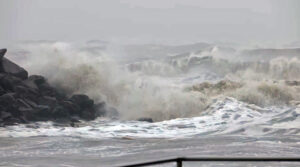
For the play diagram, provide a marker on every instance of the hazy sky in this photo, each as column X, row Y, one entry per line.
column 151, row 20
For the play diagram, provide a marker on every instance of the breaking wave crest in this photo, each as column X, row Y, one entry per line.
column 167, row 88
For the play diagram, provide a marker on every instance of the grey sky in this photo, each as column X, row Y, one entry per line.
column 151, row 20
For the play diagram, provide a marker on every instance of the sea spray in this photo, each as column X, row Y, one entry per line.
column 134, row 94
column 154, row 88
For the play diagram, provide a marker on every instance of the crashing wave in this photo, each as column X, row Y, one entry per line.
column 160, row 88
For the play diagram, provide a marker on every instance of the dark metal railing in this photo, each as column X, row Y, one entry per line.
column 213, row 159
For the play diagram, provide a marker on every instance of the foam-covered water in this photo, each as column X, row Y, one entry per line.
column 224, row 117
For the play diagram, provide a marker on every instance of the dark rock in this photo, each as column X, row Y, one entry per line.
column 2, row 53
column 22, row 103
column 31, row 103
column 47, row 100
column 2, row 91
column 37, row 79
column 5, row 115
column 28, row 114
column 7, row 99
column 30, row 84
column 88, row 114
column 11, row 121
column 60, row 112
column 83, row 101
column 42, row 112
column 100, row 109
column 146, row 119
column 75, row 119
column 8, row 82
column 11, row 68
column 47, row 90
column 21, row 89
column 71, row 107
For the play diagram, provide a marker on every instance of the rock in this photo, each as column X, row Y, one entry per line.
column 22, row 103
column 11, row 68
column 11, row 121
column 37, row 79
column 31, row 103
column 28, row 114
column 20, row 89
column 100, row 109
column 75, row 119
column 83, row 101
column 2, row 53
column 43, row 112
column 47, row 100
column 30, row 84
column 8, row 82
column 2, row 91
column 60, row 112
column 7, row 100
column 72, row 108
column 88, row 114
column 150, row 120
column 5, row 115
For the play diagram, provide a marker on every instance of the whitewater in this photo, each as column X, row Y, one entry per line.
column 204, row 100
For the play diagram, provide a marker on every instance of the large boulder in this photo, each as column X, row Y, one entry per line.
column 9, row 67
column 8, row 82
column 82, row 100
column 2, row 53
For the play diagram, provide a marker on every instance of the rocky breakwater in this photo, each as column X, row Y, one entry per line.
column 25, row 99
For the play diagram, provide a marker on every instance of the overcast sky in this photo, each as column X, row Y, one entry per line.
column 151, row 20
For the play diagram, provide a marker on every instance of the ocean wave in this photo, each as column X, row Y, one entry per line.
column 223, row 117
column 166, row 88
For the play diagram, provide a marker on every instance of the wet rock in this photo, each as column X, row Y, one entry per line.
column 71, row 107
column 11, row 121
column 75, row 119
column 31, row 103
column 2, row 91
column 48, row 100
column 37, row 79
column 82, row 100
column 2, row 53
column 150, row 120
column 11, row 68
column 100, row 109
column 88, row 114
column 8, row 82
column 7, row 99
column 60, row 112
column 5, row 115
column 22, row 103
column 43, row 111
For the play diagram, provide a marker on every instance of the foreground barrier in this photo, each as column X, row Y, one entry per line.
column 179, row 161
